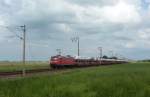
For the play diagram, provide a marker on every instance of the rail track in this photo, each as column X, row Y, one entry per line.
column 34, row 71
column 19, row 72
column 7, row 74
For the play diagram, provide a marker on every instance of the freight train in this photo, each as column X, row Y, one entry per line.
column 69, row 61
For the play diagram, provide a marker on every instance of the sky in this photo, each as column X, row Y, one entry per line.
column 121, row 26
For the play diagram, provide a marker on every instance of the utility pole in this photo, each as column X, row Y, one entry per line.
column 111, row 53
column 24, row 49
column 78, row 46
column 59, row 51
column 77, row 39
column 23, row 38
column 100, row 53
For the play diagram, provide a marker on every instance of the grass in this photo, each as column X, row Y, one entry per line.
column 14, row 66
column 128, row 80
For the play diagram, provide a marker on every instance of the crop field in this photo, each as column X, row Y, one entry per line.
column 14, row 66
column 125, row 80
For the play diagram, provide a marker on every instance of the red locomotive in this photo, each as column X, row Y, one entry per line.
column 68, row 61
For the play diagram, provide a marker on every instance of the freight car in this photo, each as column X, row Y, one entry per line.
column 68, row 61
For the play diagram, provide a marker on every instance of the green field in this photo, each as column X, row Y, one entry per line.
column 126, row 80
column 14, row 66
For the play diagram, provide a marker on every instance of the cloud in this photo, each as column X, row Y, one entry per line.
column 130, row 45
column 121, row 13
column 112, row 24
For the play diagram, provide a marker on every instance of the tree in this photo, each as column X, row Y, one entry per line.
column 105, row 57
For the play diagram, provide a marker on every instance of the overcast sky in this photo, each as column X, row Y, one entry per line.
column 119, row 25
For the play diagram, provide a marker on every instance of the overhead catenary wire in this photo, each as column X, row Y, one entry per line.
column 11, row 29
